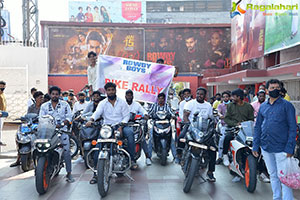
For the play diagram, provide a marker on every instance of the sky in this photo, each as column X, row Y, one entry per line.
column 50, row 10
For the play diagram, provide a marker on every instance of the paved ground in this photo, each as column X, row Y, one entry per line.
column 155, row 182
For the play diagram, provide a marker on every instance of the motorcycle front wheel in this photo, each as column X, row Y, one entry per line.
column 250, row 173
column 190, row 175
column 163, row 157
column 25, row 162
column 74, row 147
column 103, row 177
column 42, row 176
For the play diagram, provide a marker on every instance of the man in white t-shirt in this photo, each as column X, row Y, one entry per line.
column 136, row 108
column 199, row 105
column 187, row 97
column 92, row 71
column 80, row 104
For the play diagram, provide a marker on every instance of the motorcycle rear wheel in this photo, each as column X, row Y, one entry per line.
column 42, row 177
column 25, row 162
column 103, row 178
column 250, row 173
column 163, row 157
column 190, row 175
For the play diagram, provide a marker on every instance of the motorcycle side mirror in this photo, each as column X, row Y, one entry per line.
column 196, row 114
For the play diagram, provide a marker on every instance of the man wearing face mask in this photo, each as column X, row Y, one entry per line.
column 2, row 108
column 80, row 104
column 222, row 109
column 237, row 112
column 206, row 111
column 61, row 112
column 114, row 111
column 187, row 97
column 65, row 96
column 274, row 133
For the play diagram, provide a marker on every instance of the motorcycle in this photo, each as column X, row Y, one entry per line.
column 297, row 147
column 113, row 158
column 242, row 162
column 88, row 139
column 48, row 153
column 24, row 137
column 199, row 139
column 162, row 135
column 137, row 123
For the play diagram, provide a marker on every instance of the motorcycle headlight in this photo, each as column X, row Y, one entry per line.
column 197, row 134
column 47, row 145
column 39, row 145
column 105, row 132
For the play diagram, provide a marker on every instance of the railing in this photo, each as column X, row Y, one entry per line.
column 21, row 43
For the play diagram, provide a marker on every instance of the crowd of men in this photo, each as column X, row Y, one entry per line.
column 275, row 128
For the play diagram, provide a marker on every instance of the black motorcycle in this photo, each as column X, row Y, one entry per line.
column 24, row 139
column 138, row 125
column 199, row 139
column 88, row 139
column 48, row 153
column 162, row 134
column 113, row 158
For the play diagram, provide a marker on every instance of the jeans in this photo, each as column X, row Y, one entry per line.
column 127, row 133
column 65, row 140
column 221, row 141
column 226, row 145
column 275, row 163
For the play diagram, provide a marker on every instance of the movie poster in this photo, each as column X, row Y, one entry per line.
column 189, row 49
column 68, row 47
column 247, row 33
column 108, row 11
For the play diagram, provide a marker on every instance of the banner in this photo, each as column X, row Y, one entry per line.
column 145, row 79
column 189, row 49
column 247, row 32
column 69, row 46
column 282, row 25
column 108, row 11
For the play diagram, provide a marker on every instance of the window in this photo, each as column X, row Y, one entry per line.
column 189, row 6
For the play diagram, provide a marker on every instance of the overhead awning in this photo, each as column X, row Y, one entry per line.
column 252, row 76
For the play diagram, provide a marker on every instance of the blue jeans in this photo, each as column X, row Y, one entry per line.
column 127, row 133
column 221, row 141
column 275, row 163
column 65, row 140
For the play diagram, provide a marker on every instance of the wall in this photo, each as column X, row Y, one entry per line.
column 22, row 68
column 290, row 54
column 222, row 88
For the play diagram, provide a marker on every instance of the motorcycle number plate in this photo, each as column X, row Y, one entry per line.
column 41, row 140
column 106, row 140
column 162, row 122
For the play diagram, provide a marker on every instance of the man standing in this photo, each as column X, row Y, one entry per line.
column 137, row 108
column 31, row 101
column 261, row 96
column 61, row 112
column 80, row 104
column 205, row 110
column 275, row 133
column 2, row 108
column 92, row 70
column 114, row 111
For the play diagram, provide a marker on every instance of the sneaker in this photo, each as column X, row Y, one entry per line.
column 70, row 178
column 210, row 177
column 134, row 165
column 148, row 162
column 15, row 164
column 236, row 179
column 263, row 178
column 219, row 161
column 226, row 160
